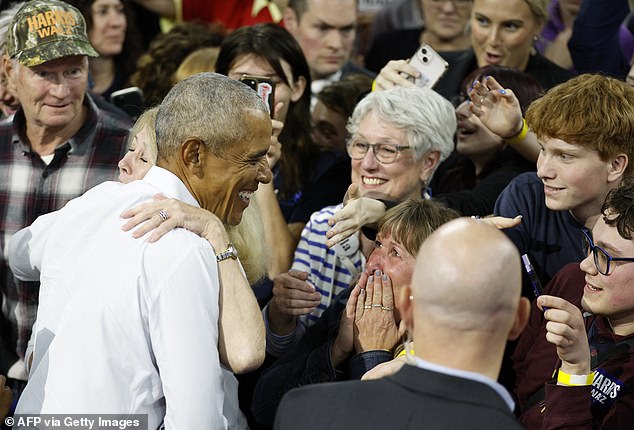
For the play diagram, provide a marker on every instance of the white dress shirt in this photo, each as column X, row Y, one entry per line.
column 125, row 326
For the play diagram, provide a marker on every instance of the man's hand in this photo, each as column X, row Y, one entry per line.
column 292, row 296
column 566, row 330
column 501, row 222
column 374, row 324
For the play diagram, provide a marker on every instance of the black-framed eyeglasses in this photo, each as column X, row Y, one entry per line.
column 601, row 257
column 385, row 153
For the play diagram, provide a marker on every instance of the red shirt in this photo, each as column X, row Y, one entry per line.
column 232, row 14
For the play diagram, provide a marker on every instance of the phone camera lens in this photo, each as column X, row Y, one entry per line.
column 425, row 59
column 424, row 51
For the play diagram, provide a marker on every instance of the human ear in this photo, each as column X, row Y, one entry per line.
column 297, row 89
column 193, row 153
column 406, row 307
column 291, row 21
column 617, row 167
column 521, row 318
column 429, row 163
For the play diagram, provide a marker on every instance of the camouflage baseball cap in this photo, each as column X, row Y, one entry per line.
column 45, row 30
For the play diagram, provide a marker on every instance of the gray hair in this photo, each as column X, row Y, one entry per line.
column 6, row 16
column 427, row 118
column 207, row 106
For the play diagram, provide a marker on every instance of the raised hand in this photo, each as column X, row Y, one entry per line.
column 566, row 330
column 497, row 107
column 357, row 212
column 343, row 345
column 395, row 74
column 293, row 295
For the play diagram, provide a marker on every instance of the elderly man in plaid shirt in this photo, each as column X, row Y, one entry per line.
column 57, row 145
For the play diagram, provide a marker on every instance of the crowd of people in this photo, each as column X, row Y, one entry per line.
column 342, row 247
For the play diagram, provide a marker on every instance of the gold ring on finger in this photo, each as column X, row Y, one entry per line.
column 376, row 305
column 367, row 307
column 387, row 308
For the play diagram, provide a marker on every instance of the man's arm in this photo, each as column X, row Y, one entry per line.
column 26, row 246
column 594, row 45
column 183, row 324
column 242, row 333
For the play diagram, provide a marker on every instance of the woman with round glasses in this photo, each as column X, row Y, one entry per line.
column 502, row 34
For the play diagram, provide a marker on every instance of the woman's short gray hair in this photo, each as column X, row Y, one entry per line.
column 427, row 118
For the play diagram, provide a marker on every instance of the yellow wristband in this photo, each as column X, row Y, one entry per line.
column 574, row 380
column 373, row 85
column 514, row 140
column 404, row 352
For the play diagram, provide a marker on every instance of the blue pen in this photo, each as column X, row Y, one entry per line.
column 537, row 286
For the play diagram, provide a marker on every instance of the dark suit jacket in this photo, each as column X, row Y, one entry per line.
column 413, row 398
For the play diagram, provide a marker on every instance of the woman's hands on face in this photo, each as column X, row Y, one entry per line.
column 375, row 327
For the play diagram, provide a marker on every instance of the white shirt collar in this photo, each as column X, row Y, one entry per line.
column 169, row 184
column 318, row 84
column 423, row 364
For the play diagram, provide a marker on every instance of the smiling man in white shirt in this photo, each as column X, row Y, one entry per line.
column 130, row 327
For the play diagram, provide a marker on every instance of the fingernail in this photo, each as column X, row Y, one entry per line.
column 473, row 84
column 370, row 278
column 384, row 277
column 502, row 91
column 377, row 273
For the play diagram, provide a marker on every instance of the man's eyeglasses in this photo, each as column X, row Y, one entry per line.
column 383, row 152
column 602, row 259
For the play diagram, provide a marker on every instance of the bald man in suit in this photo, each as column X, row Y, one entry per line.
column 463, row 305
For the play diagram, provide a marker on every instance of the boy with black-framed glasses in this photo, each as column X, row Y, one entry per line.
column 575, row 360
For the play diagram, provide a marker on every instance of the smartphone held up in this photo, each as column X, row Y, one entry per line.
column 265, row 87
column 430, row 65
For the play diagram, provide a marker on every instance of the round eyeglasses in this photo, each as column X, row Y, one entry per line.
column 601, row 257
column 383, row 152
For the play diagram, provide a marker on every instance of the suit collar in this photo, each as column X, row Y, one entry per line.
column 459, row 389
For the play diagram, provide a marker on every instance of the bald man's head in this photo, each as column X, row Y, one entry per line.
column 467, row 278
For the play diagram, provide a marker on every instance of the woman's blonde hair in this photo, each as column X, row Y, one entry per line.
column 146, row 119
column 539, row 9
column 201, row 60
